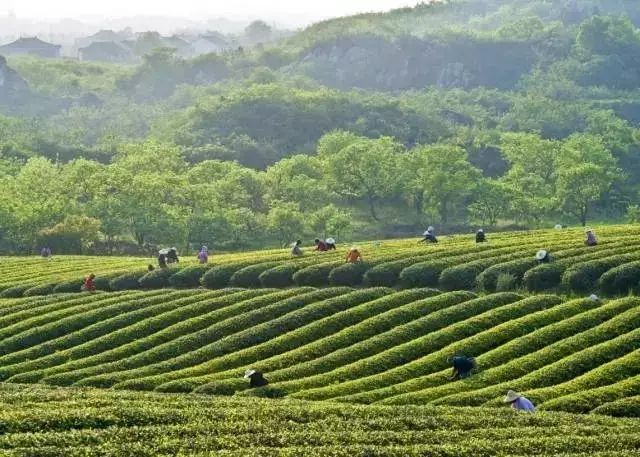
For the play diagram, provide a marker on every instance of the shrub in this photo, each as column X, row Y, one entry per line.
column 620, row 279
column 488, row 279
column 314, row 275
column 279, row 276
column 127, row 281
column 15, row 291
column 103, row 283
column 462, row 277
column 224, row 387
column 543, row 277
column 584, row 276
column 188, row 277
column 349, row 274
column 249, row 276
column 387, row 274
column 73, row 285
column 506, row 282
column 424, row 274
column 627, row 407
column 156, row 279
column 219, row 276
column 41, row 289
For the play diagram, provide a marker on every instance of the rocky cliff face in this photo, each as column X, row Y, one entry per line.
column 13, row 89
column 376, row 63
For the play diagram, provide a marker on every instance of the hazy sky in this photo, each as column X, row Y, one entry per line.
column 297, row 10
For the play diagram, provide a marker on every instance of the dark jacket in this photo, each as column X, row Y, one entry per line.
column 480, row 237
column 172, row 256
column 257, row 379
column 162, row 261
column 430, row 238
column 463, row 366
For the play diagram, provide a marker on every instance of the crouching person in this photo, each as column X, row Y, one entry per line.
column 519, row 403
column 256, row 378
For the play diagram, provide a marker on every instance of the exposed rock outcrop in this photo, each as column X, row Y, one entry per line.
column 13, row 88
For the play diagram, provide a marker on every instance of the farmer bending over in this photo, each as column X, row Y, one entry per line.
column 256, row 378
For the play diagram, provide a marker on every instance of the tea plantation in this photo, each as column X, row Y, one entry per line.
column 356, row 355
column 73, row 423
column 506, row 262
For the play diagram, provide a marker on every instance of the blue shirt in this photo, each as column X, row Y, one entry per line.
column 522, row 404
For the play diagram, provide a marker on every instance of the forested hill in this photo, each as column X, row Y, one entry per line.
column 448, row 109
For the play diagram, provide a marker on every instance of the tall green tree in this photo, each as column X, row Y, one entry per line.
column 363, row 170
column 441, row 176
column 586, row 171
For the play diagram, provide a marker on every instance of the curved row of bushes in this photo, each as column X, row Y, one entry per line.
column 308, row 342
column 196, row 362
column 175, row 346
column 72, row 423
column 455, row 266
column 140, row 336
column 401, row 363
column 520, row 356
column 564, row 368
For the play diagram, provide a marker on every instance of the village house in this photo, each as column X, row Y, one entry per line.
column 212, row 42
column 31, row 46
column 106, row 51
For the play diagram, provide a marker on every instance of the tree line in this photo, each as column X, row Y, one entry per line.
column 149, row 195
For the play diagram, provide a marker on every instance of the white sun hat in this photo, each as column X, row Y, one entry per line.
column 353, row 248
column 430, row 228
column 163, row 251
column 331, row 241
column 480, row 230
column 558, row 227
column 511, row 396
column 541, row 254
column 594, row 297
column 588, row 230
column 249, row 373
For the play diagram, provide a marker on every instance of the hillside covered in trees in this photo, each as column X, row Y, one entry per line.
column 455, row 114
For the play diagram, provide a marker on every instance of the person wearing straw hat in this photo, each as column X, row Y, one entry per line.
column 429, row 236
column 542, row 256
column 172, row 256
column 331, row 244
column 480, row 236
column 519, row 403
column 256, row 378
column 591, row 238
column 354, row 255
column 295, row 249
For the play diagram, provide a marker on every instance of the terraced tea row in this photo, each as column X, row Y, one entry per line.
column 456, row 263
column 359, row 346
column 71, row 422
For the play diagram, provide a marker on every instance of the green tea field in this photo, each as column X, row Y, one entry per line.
column 74, row 423
column 87, row 423
column 506, row 262
column 369, row 345
column 357, row 355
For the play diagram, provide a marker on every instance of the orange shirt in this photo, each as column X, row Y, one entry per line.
column 353, row 256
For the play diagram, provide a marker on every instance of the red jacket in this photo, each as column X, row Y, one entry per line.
column 321, row 246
